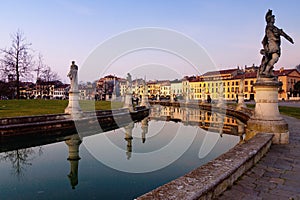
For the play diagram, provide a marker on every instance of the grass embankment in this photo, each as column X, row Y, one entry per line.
column 285, row 110
column 13, row 108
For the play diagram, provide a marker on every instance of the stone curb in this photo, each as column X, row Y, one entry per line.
column 213, row 178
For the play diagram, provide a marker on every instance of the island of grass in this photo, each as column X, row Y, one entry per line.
column 30, row 107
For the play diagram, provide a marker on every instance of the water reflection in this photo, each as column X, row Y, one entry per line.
column 20, row 159
column 129, row 138
column 73, row 146
column 207, row 120
column 133, row 136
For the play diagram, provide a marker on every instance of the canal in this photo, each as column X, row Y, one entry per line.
column 119, row 164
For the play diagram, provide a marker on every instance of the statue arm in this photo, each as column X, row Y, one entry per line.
column 286, row 36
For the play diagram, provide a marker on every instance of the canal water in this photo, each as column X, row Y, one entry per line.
column 120, row 164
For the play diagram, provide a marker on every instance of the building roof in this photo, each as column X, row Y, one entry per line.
column 285, row 72
column 246, row 75
column 226, row 71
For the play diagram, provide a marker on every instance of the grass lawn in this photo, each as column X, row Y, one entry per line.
column 13, row 108
column 285, row 110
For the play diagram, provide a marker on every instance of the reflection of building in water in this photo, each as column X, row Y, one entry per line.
column 73, row 144
column 128, row 138
column 144, row 127
column 208, row 120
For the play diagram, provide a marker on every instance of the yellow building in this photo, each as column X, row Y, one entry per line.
column 288, row 78
column 227, row 83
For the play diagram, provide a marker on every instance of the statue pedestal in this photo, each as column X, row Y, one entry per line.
column 73, row 106
column 241, row 102
column 220, row 101
column 128, row 102
column 145, row 101
column 266, row 118
column 113, row 97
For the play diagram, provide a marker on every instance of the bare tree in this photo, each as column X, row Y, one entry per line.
column 48, row 75
column 40, row 66
column 44, row 72
column 17, row 60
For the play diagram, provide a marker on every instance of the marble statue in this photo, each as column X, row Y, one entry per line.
column 73, row 77
column 271, row 46
column 129, row 79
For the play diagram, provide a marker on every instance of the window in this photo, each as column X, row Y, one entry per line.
column 246, row 82
column 232, row 89
column 246, row 89
column 251, row 82
column 236, row 83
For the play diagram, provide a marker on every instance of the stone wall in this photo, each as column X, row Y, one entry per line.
column 210, row 180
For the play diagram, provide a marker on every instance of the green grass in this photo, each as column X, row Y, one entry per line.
column 290, row 111
column 285, row 110
column 13, row 108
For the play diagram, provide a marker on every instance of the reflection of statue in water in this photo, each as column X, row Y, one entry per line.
column 73, row 77
column 73, row 145
column 271, row 46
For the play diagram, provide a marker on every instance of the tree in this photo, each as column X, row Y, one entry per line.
column 17, row 60
column 48, row 75
column 40, row 66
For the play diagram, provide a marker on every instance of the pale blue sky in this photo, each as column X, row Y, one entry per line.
column 229, row 30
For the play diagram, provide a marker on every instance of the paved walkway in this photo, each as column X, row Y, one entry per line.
column 275, row 176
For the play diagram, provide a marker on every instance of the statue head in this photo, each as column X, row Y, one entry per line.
column 73, row 62
column 269, row 16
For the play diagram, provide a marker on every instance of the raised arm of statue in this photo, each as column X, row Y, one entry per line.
column 286, row 36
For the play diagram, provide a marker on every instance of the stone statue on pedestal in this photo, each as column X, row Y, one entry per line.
column 271, row 46
column 266, row 117
column 73, row 106
column 73, row 77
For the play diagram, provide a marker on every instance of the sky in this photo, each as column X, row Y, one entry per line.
column 228, row 31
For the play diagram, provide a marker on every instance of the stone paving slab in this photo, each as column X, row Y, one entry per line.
column 276, row 175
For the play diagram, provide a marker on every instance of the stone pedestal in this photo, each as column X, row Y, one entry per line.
column 113, row 97
column 144, row 101
column 171, row 98
column 128, row 102
column 220, row 101
column 203, row 97
column 187, row 99
column 241, row 102
column 73, row 107
column 266, row 118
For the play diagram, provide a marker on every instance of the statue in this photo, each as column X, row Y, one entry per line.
column 129, row 80
column 271, row 46
column 73, row 77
